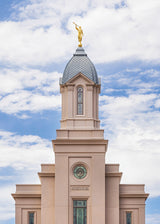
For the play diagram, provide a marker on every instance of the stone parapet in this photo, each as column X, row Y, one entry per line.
column 27, row 190
column 80, row 123
column 132, row 191
column 47, row 168
column 80, row 134
column 80, row 145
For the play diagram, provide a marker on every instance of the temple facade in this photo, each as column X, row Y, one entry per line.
column 80, row 188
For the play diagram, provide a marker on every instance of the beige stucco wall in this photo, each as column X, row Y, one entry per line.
column 122, row 198
column 132, row 199
column 69, row 153
column 47, row 177
column 91, row 91
column 27, row 199
column 112, row 181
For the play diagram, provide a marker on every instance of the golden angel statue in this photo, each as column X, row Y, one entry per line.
column 80, row 34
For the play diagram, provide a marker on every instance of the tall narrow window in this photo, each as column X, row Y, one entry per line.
column 31, row 217
column 80, row 100
column 128, row 218
column 79, row 212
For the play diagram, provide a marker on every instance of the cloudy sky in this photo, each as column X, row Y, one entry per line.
column 37, row 38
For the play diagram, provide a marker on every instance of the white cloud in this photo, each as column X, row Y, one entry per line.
column 122, row 106
column 19, row 79
column 153, row 219
column 26, row 101
column 132, row 127
column 24, row 45
column 122, row 34
column 7, row 210
column 62, row 8
column 157, row 103
column 39, row 35
column 132, row 81
column 24, row 152
column 28, row 90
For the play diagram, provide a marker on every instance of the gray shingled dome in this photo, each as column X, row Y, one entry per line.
column 80, row 63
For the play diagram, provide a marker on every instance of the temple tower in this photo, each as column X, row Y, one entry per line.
column 80, row 146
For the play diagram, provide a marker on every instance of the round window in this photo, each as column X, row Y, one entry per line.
column 80, row 172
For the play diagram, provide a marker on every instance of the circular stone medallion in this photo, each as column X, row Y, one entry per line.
column 80, row 172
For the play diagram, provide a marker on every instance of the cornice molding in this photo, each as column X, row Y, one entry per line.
column 134, row 195
column 46, row 174
column 113, row 174
column 26, row 195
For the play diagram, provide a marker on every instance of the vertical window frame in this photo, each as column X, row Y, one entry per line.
column 84, row 210
column 82, row 103
column 131, row 214
column 34, row 217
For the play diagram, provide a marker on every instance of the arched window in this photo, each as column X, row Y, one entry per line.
column 79, row 100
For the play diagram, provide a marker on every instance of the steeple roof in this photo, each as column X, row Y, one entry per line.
column 80, row 63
